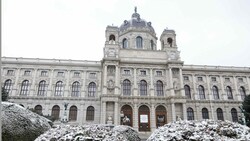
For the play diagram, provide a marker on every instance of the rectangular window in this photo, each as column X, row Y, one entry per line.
column 27, row 72
column 143, row 72
column 44, row 73
column 213, row 78
column 158, row 73
column 240, row 79
column 227, row 79
column 200, row 79
column 76, row 74
column 10, row 72
column 92, row 75
column 127, row 72
column 186, row 78
column 60, row 73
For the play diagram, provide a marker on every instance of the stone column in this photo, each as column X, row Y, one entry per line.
column 135, row 84
column 237, row 95
column 50, row 89
column 173, row 112
column 117, row 74
column 15, row 87
column 152, row 118
column 181, row 83
column 210, row 96
column 151, row 83
column 83, row 89
column 82, row 113
column 223, row 95
column 117, row 114
column 105, row 80
column 33, row 84
column 184, row 108
column 103, row 113
column 171, row 82
column 135, row 113
column 196, row 97
column 67, row 86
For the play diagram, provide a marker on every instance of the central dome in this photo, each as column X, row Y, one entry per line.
column 137, row 22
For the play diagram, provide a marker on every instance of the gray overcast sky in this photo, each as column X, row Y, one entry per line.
column 209, row 32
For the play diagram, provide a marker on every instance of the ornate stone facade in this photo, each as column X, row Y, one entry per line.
column 134, row 84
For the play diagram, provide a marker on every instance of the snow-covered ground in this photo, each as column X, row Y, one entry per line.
column 207, row 130
column 18, row 122
column 99, row 132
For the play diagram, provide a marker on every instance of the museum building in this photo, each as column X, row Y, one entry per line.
column 134, row 84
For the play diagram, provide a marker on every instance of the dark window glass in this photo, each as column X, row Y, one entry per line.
column 55, row 112
column 159, row 88
column 24, row 87
column 242, row 92
column 92, row 89
column 139, row 42
column 187, row 91
column 75, row 89
column 126, row 87
column 205, row 113
column 201, row 92
column 7, row 85
column 90, row 115
column 10, row 72
column 190, row 114
column 73, row 113
column 59, row 88
column 219, row 114
column 143, row 88
column 44, row 73
column 38, row 109
column 234, row 115
column 125, row 43
column 27, row 72
column 152, row 44
column 42, row 88
column 229, row 92
column 215, row 92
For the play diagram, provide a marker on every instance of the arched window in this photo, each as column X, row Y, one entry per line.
column 242, row 92
column 112, row 37
column 229, row 92
column 7, row 85
column 124, row 43
column 91, row 89
column 75, row 89
column 215, row 92
column 59, row 88
column 219, row 114
column 41, row 88
column 55, row 112
column 139, row 42
column 187, row 91
column 234, row 115
column 90, row 115
column 24, row 87
column 170, row 42
column 205, row 113
column 190, row 114
column 38, row 109
column 201, row 92
column 152, row 44
column 143, row 88
column 73, row 113
column 159, row 88
column 126, row 85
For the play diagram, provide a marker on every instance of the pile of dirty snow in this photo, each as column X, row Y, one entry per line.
column 89, row 132
column 201, row 130
column 21, row 124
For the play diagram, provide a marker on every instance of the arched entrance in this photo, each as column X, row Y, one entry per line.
column 144, row 118
column 127, row 115
column 160, row 115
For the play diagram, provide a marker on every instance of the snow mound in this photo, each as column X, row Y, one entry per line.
column 206, row 130
column 95, row 132
column 20, row 124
